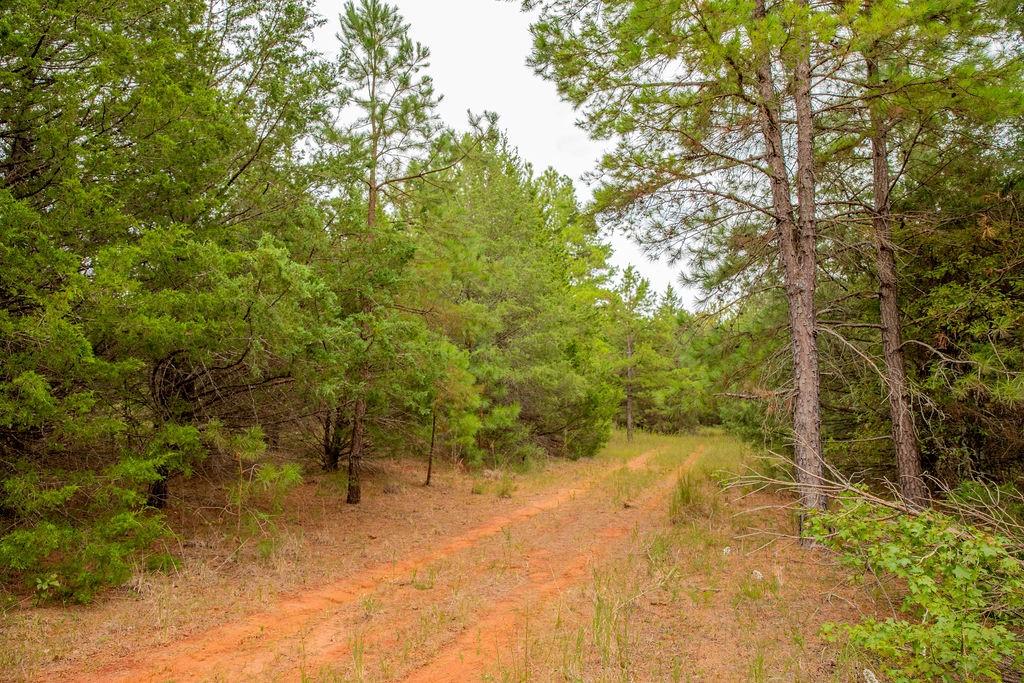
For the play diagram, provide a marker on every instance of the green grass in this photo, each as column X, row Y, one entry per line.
column 687, row 496
column 754, row 590
column 505, row 487
column 680, row 568
column 371, row 604
column 619, row 450
column 625, row 484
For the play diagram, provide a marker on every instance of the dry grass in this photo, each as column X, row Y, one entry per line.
column 222, row 579
column 604, row 586
column 696, row 598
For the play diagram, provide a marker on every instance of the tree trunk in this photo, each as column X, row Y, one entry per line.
column 629, row 387
column 355, row 455
column 430, row 456
column 798, row 251
column 908, row 457
column 332, row 440
column 807, row 411
column 159, row 490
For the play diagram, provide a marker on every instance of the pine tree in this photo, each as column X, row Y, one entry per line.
column 711, row 108
column 382, row 80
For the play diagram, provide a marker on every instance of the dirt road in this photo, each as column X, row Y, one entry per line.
column 579, row 576
column 314, row 632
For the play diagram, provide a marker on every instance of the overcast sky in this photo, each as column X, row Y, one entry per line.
column 478, row 62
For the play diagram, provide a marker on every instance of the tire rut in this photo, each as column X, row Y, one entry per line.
column 467, row 657
column 247, row 647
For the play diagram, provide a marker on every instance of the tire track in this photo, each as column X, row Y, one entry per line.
column 251, row 643
column 467, row 657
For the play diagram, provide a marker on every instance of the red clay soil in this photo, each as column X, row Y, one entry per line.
column 247, row 647
column 477, row 648
column 460, row 605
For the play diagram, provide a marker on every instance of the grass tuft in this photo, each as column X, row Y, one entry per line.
column 505, row 487
column 688, row 497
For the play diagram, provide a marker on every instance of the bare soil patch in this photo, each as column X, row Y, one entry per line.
column 579, row 576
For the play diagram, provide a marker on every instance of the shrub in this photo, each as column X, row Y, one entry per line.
column 684, row 495
column 963, row 598
column 259, row 500
column 689, row 497
column 75, row 532
column 506, row 486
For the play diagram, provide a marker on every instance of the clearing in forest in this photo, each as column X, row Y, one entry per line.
column 632, row 566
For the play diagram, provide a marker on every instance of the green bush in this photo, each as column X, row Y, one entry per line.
column 259, row 501
column 963, row 597
column 71, row 562
column 77, row 531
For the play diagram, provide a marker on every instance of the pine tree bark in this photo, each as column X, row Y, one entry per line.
column 904, row 436
column 355, row 457
column 629, row 387
column 807, row 419
column 797, row 243
column 430, row 456
column 332, row 440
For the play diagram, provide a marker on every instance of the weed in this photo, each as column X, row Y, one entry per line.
column 602, row 626
column 425, row 583
column 755, row 589
column 798, row 639
column 677, row 671
column 573, row 656
column 659, row 550
column 358, row 655
column 966, row 581
column 627, row 483
column 687, row 497
column 511, row 549
column 700, row 597
column 163, row 562
column 44, row 585
column 371, row 604
column 610, row 626
column 759, row 668
column 506, row 486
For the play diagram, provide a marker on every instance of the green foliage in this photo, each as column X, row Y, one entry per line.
column 962, row 591
column 675, row 86
column 258, row 501
column 109, row 523
column 155, row 223
column 209, row 233
column 72, row 562
column 656, row 354
column 505, row 487
column 163, row 562
column 514, row 269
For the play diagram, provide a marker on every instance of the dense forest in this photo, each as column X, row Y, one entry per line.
column 223, row 252
column 219, row 246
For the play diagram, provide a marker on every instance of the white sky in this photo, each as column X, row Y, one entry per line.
column 478, row 62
